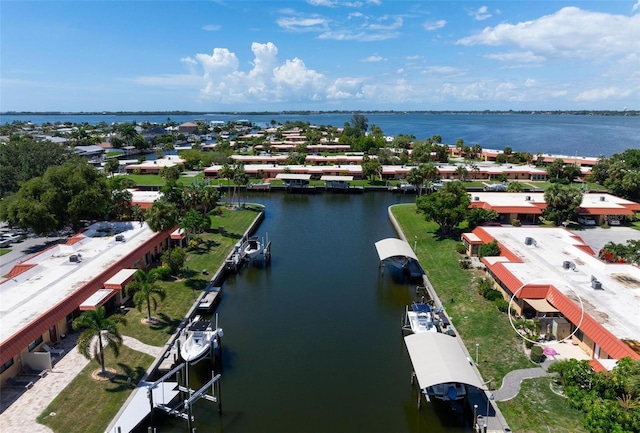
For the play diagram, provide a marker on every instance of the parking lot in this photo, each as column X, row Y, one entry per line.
column 597, row 237
column 22, row 249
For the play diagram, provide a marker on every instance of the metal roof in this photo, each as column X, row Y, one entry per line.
column 392, row 247
column 439, row 358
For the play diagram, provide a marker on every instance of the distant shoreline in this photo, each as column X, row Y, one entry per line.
column 311, row 112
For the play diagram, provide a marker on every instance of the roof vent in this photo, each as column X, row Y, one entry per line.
column 476, row 198
column 529, row 241
column 566, row 264
column 527, row 198
column 602, row 198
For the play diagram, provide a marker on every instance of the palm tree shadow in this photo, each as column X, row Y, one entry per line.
column 165, row 323
column 126, row 380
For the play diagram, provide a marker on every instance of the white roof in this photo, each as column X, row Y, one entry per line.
column 615, row 307
column 439, row 358
column 392, row 247
column 98, row 298
column 292, row 176
column 53, row 277
column 119, row 278
column 329, row 178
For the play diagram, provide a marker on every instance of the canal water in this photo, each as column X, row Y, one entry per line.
column 312, row 342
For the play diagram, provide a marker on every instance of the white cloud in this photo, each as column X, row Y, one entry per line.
column 571, row 32
column 635, row 6
column 302, row 24
column 346, row 88
column 530, row 82
column 434, row 25
column 327, row 3
column 373, row 59
column 442, row 70
column 212, row 27
column 480, row 14
column 396, row 24
column 362, row 36
column 269, row 80
column 603, row 93
column 516, row 57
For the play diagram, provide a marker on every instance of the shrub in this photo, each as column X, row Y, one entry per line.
column 493, row 294
column 484, row 285
column 537, row 355
column 516, row 223
column 528, row 344
column 460, row 248
column 164, row 272
column 502, row 305
column 491, row 249
column 465, row 264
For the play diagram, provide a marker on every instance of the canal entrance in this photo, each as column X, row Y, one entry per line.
column 313, row 342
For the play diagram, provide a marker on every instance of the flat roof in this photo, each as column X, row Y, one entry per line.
column 51, row 277
column 98, row 298
column 293, row 176
column 329, row 178
column 615, row 307
column 120, row 279
column 597, row 203
column 439, row 358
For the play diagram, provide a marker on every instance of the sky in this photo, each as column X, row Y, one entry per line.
column 319, row 55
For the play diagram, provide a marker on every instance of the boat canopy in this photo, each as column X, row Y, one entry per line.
column 392, row 247
column 439, row 358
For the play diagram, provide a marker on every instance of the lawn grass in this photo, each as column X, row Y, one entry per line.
column 87, row 405
column 226, row 230
column 537, row 409
column 4, row 251
column 476, row 319
column 102, row 400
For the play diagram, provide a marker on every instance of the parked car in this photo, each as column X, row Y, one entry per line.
column 586, row 221
column 4, row 243
column 614, row 222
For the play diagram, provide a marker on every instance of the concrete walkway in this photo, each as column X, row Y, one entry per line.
column 511, row 382
column 23, row 407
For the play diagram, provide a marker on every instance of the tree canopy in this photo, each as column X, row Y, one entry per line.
column 620, row 173
column 22, row 159
column 65, row 194
column 447, row 206
column 562, row 203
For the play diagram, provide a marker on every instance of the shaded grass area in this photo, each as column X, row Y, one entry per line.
column 537, row 409
column 87, row 405
column 4, row 251
column 476, row 319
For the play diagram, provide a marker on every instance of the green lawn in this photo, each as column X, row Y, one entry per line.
column 4, row 251
column 477, row 320
column 537, row 409
column 87, row 405
column 103, row 399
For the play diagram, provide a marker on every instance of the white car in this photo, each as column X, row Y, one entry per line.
column 586, row 221
column 614, row 222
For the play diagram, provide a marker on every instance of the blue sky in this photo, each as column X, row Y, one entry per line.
column 319, row 55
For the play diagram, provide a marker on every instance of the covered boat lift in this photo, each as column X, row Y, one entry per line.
column 439, row 358
column 399, row 252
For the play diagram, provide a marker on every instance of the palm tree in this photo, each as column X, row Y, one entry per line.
column 97, row 326
column 226, row 172
column 146, row 291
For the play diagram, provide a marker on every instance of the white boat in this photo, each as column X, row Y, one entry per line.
column 447, row 391
column 419, row 318
column 252, row 248
column 199, row 339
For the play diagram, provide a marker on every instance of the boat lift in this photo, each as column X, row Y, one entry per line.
column 188, row 396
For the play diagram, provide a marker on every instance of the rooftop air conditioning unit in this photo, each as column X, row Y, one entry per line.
column 119, row 238
column 602, row 198
column 476, row 198
column 528, row 241
column 527, row 198
column 566, row 264
column 596, row 285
